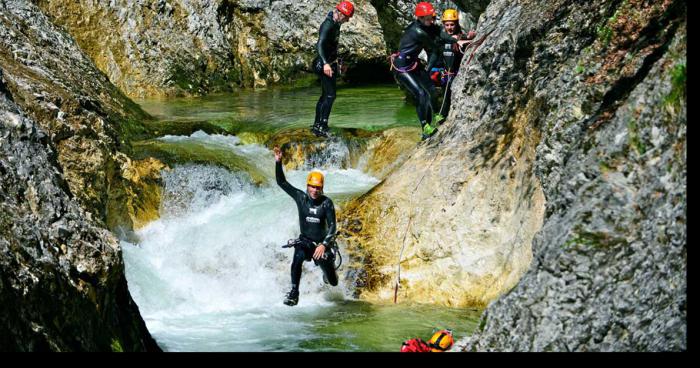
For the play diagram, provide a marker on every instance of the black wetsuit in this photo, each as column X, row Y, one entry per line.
column 452, row 58
column 417, row 37
column 327, row 53
column 316, row 224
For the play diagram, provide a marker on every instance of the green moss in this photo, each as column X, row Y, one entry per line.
column 580, row 68
column 116, row 346
column 482, row 324
column 605, row 32
column 635, row 140
column 678, row 89
column 194, row 152
column 593, row 240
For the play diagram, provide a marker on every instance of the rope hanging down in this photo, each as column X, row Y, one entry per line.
column 475, row 45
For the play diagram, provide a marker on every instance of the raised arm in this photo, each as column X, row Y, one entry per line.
column 282, row 181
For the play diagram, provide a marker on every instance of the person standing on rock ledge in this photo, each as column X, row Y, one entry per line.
column 422, row 34
column 327, row 64
column 452, row 55
column 317, row 227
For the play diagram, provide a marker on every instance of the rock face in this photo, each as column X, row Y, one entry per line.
column 84, row 115
column 62, row 285
column 568, row 137
column 609, row 272
column 156, row 47
column 65, row 177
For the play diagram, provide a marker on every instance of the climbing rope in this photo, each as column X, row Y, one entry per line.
column 475, row 45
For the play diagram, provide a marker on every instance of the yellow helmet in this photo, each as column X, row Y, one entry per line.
column 441, row 341
column 315, row 179
column 450, row 15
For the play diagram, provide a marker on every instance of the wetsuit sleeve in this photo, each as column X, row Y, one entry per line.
column 324, row 36
column 330, row 221
column 431, row 43
column 434, row 58
column 446, row 38
column 284, row 184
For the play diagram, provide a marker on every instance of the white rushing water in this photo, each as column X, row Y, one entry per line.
column 210, row 274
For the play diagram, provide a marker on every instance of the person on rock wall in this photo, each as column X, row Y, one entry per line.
column 327, row 64
column 317, row 227
column 452, row 55
column 421, row 34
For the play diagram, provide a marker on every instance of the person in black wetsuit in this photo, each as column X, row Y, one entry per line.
column 452, row 55
column 326, row 63
column 422, row 34
column 317, row 227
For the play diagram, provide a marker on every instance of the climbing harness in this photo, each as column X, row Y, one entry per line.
column 337, row 257
column 404, row 69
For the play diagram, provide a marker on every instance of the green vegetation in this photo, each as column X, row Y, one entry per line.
column 116, row 346
column 605, row 32
column 678, row 89
column 635, row 140
column 593, row 240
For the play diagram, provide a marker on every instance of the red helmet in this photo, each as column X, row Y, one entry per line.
column 424, row 8
column 346, row 8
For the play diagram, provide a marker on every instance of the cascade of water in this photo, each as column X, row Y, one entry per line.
column 217, row 247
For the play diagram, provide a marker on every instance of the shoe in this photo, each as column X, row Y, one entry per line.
column 325, row 279
column 440, row 119
column 292, row 298
column 319, row 132
column 428, row 131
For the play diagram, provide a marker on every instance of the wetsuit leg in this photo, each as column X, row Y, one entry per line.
column 328, row 267
column 412, row 82
column 325, row 102
column 300, row 255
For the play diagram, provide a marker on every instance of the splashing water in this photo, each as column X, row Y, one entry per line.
column 215, row 254
column 210, row 274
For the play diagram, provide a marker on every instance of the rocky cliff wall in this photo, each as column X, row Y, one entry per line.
column 610, row 264
column 566, row 140
column 164, row 48
column 65, row 177
column 87, row 119
column 62, row 284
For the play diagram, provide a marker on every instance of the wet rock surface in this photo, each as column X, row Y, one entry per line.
column 166, row 48
column 609, row 265
column 564, row 156
column 62, row 285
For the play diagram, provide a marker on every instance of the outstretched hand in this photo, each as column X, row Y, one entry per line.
column 278, row 153
column 462, row 45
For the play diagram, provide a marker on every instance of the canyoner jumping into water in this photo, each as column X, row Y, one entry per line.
column 317, row 228
column 421, row 34
column 327, row 64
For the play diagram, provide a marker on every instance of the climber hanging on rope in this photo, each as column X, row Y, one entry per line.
column 422, row 34
column 452, row 54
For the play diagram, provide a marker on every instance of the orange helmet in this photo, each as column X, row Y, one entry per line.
column 441, row 341
column 424, row 8
column 315, row 179
column 346, row 8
